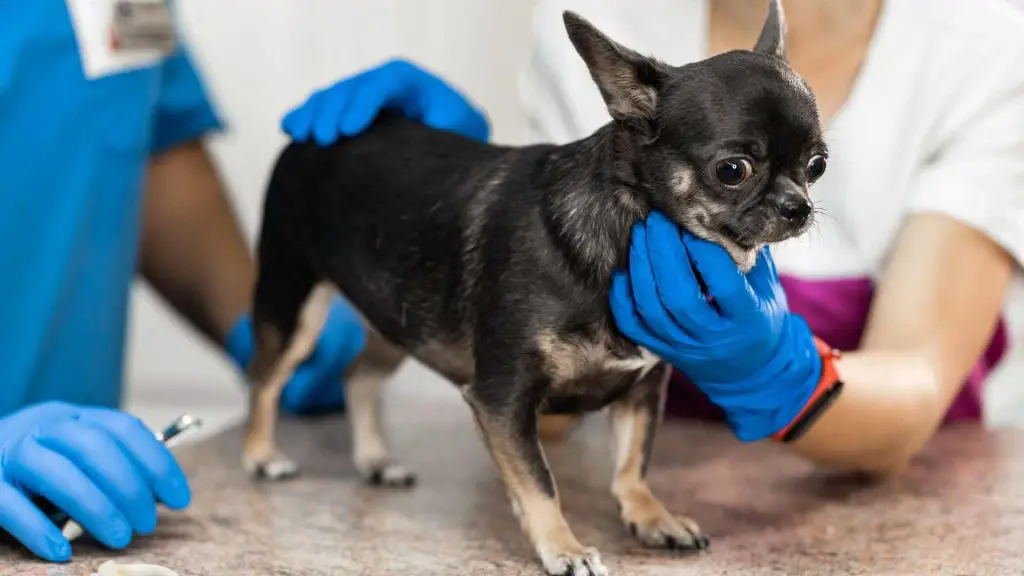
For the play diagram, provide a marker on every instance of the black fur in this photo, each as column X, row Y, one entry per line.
column 491, row 264
column 438, row 238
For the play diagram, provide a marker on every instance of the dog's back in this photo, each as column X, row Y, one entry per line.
column 393, row 218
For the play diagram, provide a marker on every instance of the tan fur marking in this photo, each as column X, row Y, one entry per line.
column 540, row 516
column 363, row 384
column 652, row 523
column 683, row 179
column 569, row 361
column 700, row 211
column 269, row 375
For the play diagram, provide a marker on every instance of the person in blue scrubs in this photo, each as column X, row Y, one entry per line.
column 103, row 177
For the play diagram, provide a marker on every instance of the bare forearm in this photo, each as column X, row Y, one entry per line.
column 887, row 411
column 193, row 250
column 935, row 312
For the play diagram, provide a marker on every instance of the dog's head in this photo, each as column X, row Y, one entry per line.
column 727, row 146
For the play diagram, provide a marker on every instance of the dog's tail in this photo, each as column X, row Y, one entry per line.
column 285, row 277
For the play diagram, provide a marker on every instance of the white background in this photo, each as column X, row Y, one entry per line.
column 260, row 57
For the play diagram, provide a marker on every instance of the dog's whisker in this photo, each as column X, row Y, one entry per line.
column 823, row 213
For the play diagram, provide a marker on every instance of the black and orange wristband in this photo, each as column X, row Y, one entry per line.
column 827, row 390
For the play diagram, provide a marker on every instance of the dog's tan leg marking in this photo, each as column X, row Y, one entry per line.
column 533, row 494
column 268, row 372
column 362, row 396
column 635, row 420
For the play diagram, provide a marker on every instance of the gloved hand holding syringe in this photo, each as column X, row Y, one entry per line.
column 101, row 467
column 183, row 423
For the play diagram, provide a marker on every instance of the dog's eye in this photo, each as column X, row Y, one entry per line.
column 816, row 167
column 734, row 171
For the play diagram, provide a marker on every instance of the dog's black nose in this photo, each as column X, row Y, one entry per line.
column 793, row 208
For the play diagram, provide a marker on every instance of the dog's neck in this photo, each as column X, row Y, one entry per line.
column 592, row 202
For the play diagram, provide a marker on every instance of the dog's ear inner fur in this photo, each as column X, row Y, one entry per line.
column 628, row 81
column 773, row 35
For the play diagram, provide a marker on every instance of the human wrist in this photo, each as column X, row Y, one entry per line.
column 826, row 388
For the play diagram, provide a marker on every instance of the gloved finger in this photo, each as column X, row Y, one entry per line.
column 377, row 92
column 20, row 518
column 627, row 320
column 52, row 476
column 94, row 452
column 154, row 460
column 478, row 129
column 729, row 287
column 442, row 114
column 763, row 277
column 457, row 117
column 645, row 293
column 678, row 287
column 331, row 110
column 298, row 123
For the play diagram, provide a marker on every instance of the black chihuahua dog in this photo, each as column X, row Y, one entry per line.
column 491, row 264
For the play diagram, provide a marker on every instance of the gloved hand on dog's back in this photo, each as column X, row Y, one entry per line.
column 349, row 106
column 102, row 467
column 316, row 385
column 741, row 347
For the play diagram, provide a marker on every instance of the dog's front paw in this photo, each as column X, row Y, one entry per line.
column 671, row 532
column 272, row 466
column 575, row 561
column 381, row 472
column 655, row 526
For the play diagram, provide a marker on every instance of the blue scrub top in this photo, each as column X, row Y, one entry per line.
column 73, row 153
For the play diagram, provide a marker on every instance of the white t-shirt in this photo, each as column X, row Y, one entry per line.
column 934, row 122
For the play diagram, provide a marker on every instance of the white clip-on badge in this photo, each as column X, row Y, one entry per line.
column 142, row 25
column 119, row 35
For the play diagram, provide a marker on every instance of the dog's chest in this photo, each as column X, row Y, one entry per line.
column 587, row 375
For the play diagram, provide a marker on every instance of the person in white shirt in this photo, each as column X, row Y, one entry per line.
column 908, row 270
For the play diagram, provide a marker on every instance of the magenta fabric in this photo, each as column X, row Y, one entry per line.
column 837, row 311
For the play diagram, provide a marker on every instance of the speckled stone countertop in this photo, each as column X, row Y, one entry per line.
column 958, row 510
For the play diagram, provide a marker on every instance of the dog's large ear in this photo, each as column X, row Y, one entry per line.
column 773, row 36
column 628, row 81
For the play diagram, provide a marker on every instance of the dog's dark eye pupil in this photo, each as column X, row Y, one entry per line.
column 816, row 167
column 731, row 172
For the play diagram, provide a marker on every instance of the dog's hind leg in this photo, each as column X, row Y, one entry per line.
column 506, row 416
column 362, row 396
column 288, row 314
column 635, row 420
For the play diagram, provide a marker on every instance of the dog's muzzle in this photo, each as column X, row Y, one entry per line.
column 794, row 209
column 791, row 203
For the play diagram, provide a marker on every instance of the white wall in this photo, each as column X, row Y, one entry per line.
column 260, row 57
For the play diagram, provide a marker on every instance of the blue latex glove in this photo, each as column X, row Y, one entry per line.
column 349, row 107
column 102, row 467
column 316, row 385
column 744, row 350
